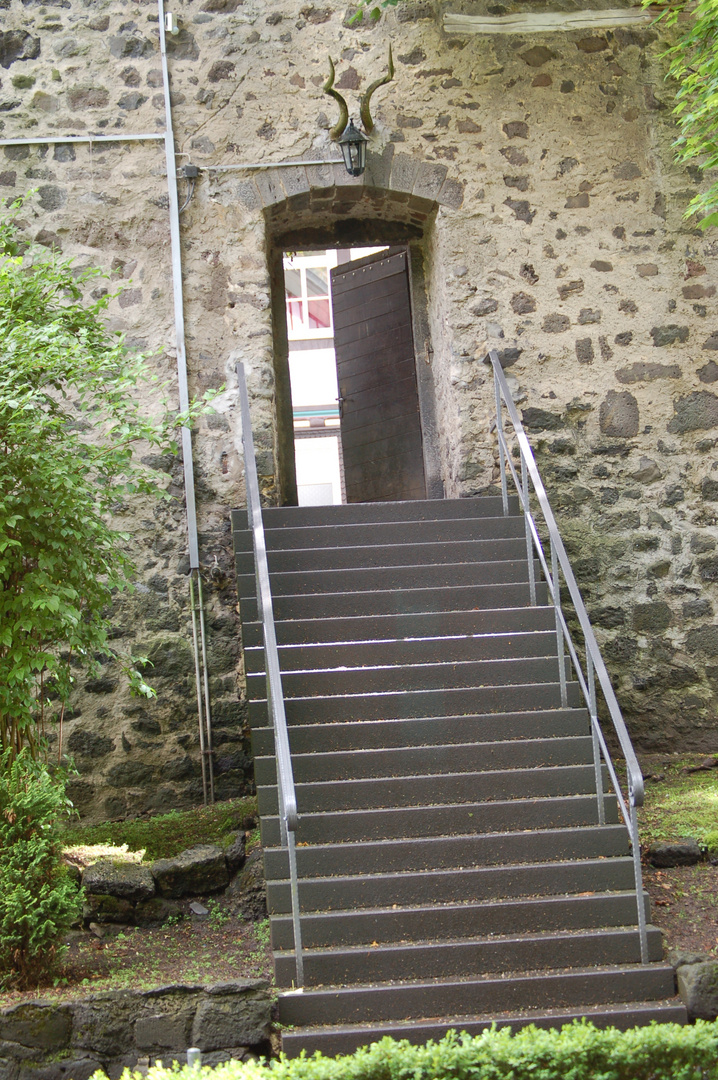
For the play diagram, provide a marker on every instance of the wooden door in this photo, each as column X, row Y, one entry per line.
column 373, row 340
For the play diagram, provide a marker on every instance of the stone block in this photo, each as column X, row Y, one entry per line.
column 429, row 180
column 694, row 412
column 681, row 853
column 652, row 618
column 37, row 1024
column 107, row 909
column 104, row 1024
column 618, row 415
column 404, row 170
column 236, row 1019
column 320, row 176
column 378, row 168
column 269, row 187
column 199, row 870
column 669, row 335
column 81, row 1068
column 129, row 881
column 294, row 180
column 698, row 988
column 246, row 192
column 170, row 1032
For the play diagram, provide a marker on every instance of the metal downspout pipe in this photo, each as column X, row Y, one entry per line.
column 204, row 716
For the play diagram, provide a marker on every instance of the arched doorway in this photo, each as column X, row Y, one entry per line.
column 393, row 207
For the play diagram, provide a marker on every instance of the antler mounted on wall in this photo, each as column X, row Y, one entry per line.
column 364, row 112
column 343, row 120
column 366, row 97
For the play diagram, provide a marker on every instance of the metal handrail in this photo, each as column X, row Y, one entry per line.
column 595, row 667
column 286, row 792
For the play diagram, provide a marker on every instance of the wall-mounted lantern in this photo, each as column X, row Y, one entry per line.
column 353, row 147
column 352, row 141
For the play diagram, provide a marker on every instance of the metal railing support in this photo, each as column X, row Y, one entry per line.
column 286, row 792
column 595, row 668
column 500, row 438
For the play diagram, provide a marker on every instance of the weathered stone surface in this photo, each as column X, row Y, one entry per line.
column 522, row 303
column 647, row 472
column 17, row 45
column 653, row 617
column 85, row 742
column 127, row 880
column 556, row 324
column 645, row 372
column 703, row 639
column 485, row 307
column 679, row 853
column 164, row 1032
column 698, row 987
column 242, row 1016
column 542, row 420
column 235, row 854
column 102, row 908
column 37, row 1024
column 199, row 870
column 618, row 415
column 669, row 335
column 694, row 412
column 250, row 889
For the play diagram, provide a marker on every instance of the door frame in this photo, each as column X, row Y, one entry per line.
column 423, row 353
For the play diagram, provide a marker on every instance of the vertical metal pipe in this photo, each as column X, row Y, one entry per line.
column 198, row 683
column 529, row 538
column 499, row 434
column 205, row 673
column 600, row 797
column 556, row 588
column 176, row 251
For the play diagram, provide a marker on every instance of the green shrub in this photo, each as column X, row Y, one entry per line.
column 579, row 1051
column 38, row 901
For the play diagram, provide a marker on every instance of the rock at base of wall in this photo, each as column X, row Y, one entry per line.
column 126, row 880
column 199, row 870
column 683, row 853
column 698, row 987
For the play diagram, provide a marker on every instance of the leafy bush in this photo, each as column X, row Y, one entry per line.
column 71, row 417
column 579, row 1051
column 38, row 901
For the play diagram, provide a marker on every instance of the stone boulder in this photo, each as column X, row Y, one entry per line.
column 236, row 854
column 681, row 853
column 125, row 880
column 698, row 988
column 249, row 888
column 199, row 870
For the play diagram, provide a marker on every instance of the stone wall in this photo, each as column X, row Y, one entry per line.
column 534, row 175
column 119, row 1029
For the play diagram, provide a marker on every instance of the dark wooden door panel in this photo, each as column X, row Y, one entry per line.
column 381, row 425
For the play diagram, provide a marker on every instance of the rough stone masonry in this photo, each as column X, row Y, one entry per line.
column 533, row 175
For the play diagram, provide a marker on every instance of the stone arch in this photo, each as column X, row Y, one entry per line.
column 394, row 201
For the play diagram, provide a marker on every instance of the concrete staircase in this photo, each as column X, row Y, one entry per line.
column 452, row 868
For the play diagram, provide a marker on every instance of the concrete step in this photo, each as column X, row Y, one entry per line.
column 366, row 927
column 409, row 554
column 455, row 885
column 411, row 677
column 407, row 761
column 397, row 602
column 378, row 534
column 400, row 626
column 445, row 852
column 386, row 823
column 440, row 788
column 445, row 702
column 345, row 1039
column 426, row 731
column 468, row 957
column 417, row 651
column 292, row 517
column 547, row 990
column 382, row 578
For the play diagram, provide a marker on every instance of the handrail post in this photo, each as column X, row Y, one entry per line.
column 593, row 717
column 286, row 792
column 529, row 538
column 499, row 436
column 638, row 874
column 556, row 589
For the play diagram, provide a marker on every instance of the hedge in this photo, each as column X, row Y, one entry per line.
column 579, row 1051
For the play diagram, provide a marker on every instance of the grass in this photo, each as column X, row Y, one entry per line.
column 681, row 805
column 165, row 835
